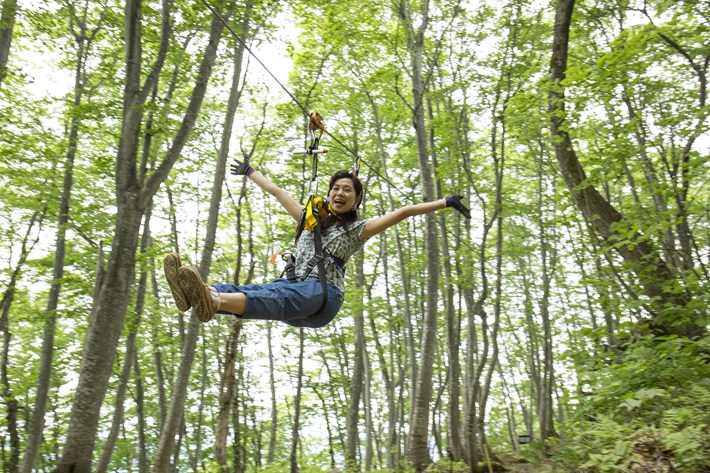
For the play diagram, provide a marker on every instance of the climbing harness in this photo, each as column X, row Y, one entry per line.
column 314, row 210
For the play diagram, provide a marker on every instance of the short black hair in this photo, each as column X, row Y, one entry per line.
column 357, row 184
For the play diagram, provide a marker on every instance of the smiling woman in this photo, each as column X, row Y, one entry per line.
column 306, row 299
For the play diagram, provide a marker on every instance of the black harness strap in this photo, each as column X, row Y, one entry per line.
column 290, row 268
column 320, row 258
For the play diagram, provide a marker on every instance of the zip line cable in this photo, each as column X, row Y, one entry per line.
column 238, row 38
column 358, row 158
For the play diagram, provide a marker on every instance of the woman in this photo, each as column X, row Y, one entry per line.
column 297, row 303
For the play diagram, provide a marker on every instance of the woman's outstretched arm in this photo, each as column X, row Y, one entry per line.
column 379, row 224
column 290, row 204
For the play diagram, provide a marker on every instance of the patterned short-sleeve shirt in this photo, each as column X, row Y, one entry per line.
column 338, row 242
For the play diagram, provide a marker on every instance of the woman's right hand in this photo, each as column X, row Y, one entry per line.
column 242, row 168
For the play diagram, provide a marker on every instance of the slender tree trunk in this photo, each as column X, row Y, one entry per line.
column 140, row 408
column 129, row 357
column 394, row 452
column 453, row 330
column 228, row 381
column 177, row 401
column 510, row 402
column 492, row 362
column 226, row 396
column 498, row 154
column 197, row 427
column 352, row 464
column 272, row 387
column 108, row 447
column 533, row 347
column 239, row 404
column 548, row 262
column 296, row 429
column 476, row 393
column 7, row 25
column 391, row 442
column 329, row 429
column 11, row 404
column 492, row 340
column 417, row 451
column 369, row 417
column 453, row 338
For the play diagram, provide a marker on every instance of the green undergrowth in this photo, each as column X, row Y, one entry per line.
column 648, row 412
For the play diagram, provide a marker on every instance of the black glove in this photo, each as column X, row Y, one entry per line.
column 242, row 168
column 455, row 202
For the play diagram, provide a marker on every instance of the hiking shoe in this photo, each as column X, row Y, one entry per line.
column 204, row 299
column 171, row 264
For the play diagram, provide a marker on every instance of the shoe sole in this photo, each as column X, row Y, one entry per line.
column 171, row 265
column 194, row 288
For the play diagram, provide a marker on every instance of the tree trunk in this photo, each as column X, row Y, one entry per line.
column 296, row 429
column 548, row 263
column 228, row 383
column 7, row 25
column 140, row 415
column 533, row 348
column 499, row 166
column 476, row 393
column 272, row 388
column 417, row 451
column 653, row 274
column 391, row 439
column 352, row 464
column 177, row 401
column 369, row 420
column 453, row 330
column 129, row 358
column 393, row 444
column 6, row 391
column 226, row 396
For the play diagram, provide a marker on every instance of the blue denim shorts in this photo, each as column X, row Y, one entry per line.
column 291, row 303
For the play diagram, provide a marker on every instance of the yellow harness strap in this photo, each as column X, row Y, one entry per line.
column 314, row 204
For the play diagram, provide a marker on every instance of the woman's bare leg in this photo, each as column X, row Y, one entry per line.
column 235, row 302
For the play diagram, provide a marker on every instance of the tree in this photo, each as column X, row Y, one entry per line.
column 655, row 276
column 417, row 450
column 358, row 377
column 27, row 244
column 7, row 25
column 227, row 394
column 84, row 37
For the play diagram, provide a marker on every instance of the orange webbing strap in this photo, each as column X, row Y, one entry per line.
column 315, row 124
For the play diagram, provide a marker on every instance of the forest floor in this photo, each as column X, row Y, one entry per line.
column 516, row 463
column 512, row 462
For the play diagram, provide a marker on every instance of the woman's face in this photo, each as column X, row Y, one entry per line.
column 342, row 196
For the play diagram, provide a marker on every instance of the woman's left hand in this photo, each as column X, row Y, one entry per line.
column 454, row 201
